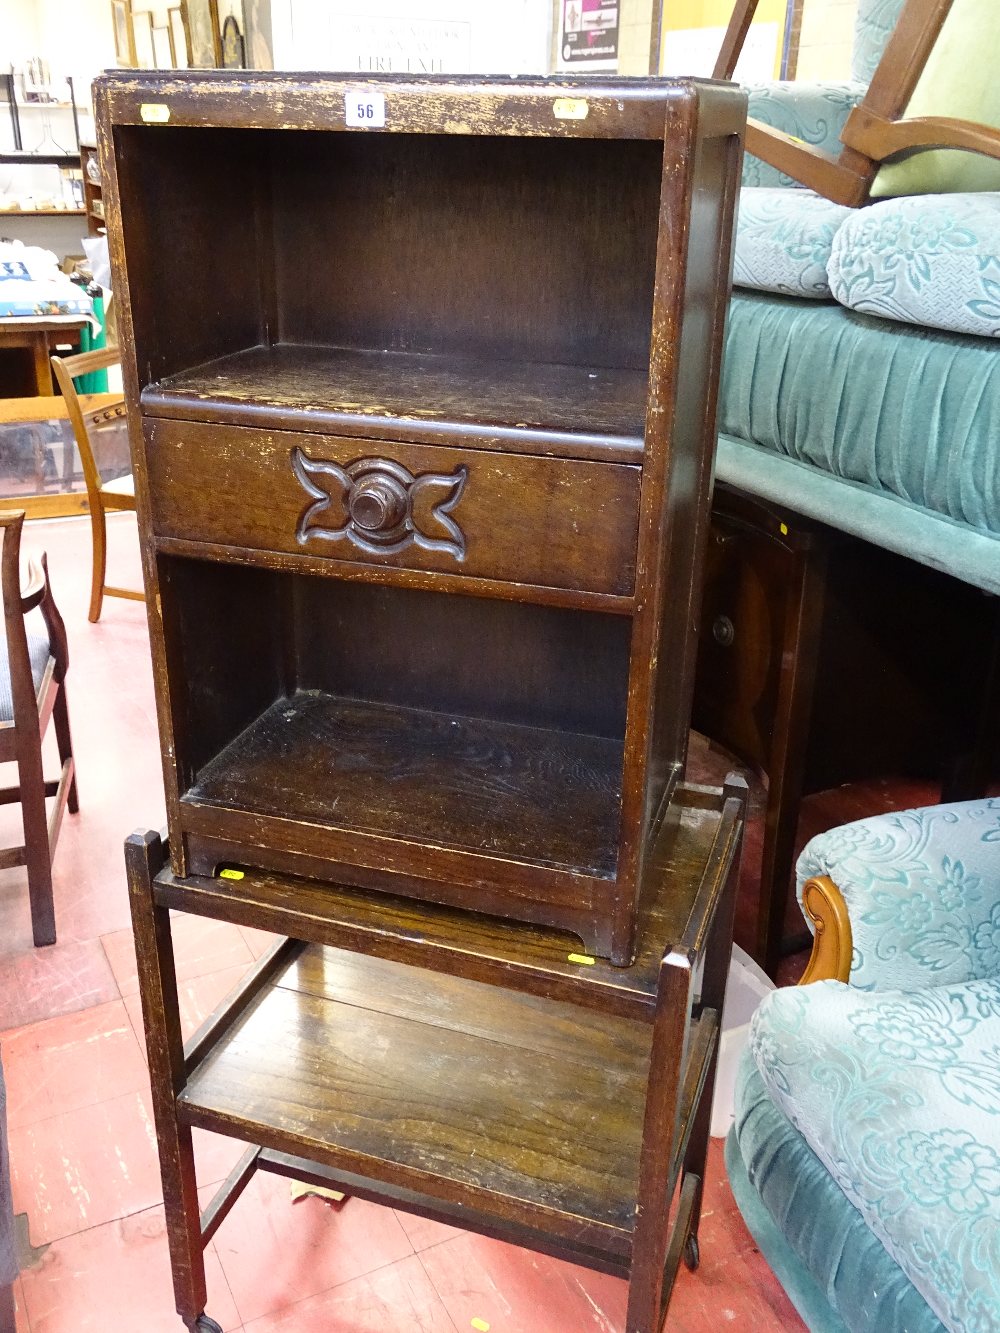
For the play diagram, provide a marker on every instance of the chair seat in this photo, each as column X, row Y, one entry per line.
column 120, row 486
column 899, row 1096
column 38, row 652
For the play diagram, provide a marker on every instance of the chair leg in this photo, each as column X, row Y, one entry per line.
column 60, row 720
column 100, row 539
column 38, row 854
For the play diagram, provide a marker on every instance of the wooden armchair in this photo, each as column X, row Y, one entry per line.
column 32, row 690
column 102, row 496
column 879, row 127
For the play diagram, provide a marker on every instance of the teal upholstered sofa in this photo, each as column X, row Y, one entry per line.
column 865, row 1155
column 862, row 376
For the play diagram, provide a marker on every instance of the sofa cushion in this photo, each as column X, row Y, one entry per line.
column 898, row 1095
column 933, row 260
column 784, row 239
column 923, row 890
column 960, row 82
column 906, row 411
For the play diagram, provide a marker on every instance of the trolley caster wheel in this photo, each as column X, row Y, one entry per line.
column 692, row 1253
column 205, row 1325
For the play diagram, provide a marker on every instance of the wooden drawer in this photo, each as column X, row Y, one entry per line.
column 551, row 522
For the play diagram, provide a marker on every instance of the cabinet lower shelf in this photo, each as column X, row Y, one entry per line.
column 525, row 1109
column 528, row 794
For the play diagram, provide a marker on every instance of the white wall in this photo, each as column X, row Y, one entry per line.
column 439, row 36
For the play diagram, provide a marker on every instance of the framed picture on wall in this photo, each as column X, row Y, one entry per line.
column 234, row 51
column 178, row 32
column 121, row 21
column 163, row 48
column 142, row 32
column 204, row 40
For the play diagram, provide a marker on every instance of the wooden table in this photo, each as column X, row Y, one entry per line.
column 39, row 335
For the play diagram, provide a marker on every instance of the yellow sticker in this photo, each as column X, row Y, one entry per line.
column 571, row 108
column 154, row 113
column 581, row 958
column 480, row 1325
column 230, row 874
column 784, row 529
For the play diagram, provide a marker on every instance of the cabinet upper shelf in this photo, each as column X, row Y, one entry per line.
column 597, row 411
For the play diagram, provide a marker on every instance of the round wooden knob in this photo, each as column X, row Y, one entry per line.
column 723, row 631
column 377, row 503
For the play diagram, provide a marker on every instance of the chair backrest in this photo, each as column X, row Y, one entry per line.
column 878, row 128
column 19, row 597
column 67, row 370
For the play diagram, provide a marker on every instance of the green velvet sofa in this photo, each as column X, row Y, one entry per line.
column 865, row 1153
column 861, row 384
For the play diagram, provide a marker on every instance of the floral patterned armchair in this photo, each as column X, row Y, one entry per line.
column 866, row 1149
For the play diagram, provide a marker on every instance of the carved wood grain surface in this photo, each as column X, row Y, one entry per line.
column 545, row 797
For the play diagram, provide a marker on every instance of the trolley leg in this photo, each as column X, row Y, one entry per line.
column 144, row 857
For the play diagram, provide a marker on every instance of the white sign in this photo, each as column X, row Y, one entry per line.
column 391, row 46
column 365, row 110
column 693, row 51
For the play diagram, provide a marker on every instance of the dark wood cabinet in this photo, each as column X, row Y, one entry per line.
column 423, row 418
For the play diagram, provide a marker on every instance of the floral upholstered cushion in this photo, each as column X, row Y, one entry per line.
column 899, row 1097
column 923, row 891
column 784, row 239
column 812, row 112
column 932, row 260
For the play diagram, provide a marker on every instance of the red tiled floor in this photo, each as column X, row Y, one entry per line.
column 400, row 1296
column 71, row 1062
column 59, row 979
column 197, row 998
column 201, row 946
column 274, row 1252
column 20, row 1312
column 86, row 1167
column 515, row 1291
column 116, row 1276
column 215, row 1155
column 422, row 1233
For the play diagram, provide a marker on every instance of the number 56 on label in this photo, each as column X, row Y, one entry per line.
column 366, row 110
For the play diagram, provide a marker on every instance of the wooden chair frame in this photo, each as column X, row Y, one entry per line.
column 21, row 738
column 876, row 129
column 100, row 501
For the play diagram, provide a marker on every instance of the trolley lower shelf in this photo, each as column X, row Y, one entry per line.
column 527, row 1109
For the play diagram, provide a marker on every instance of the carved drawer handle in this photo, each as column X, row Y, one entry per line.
column 379, row 506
